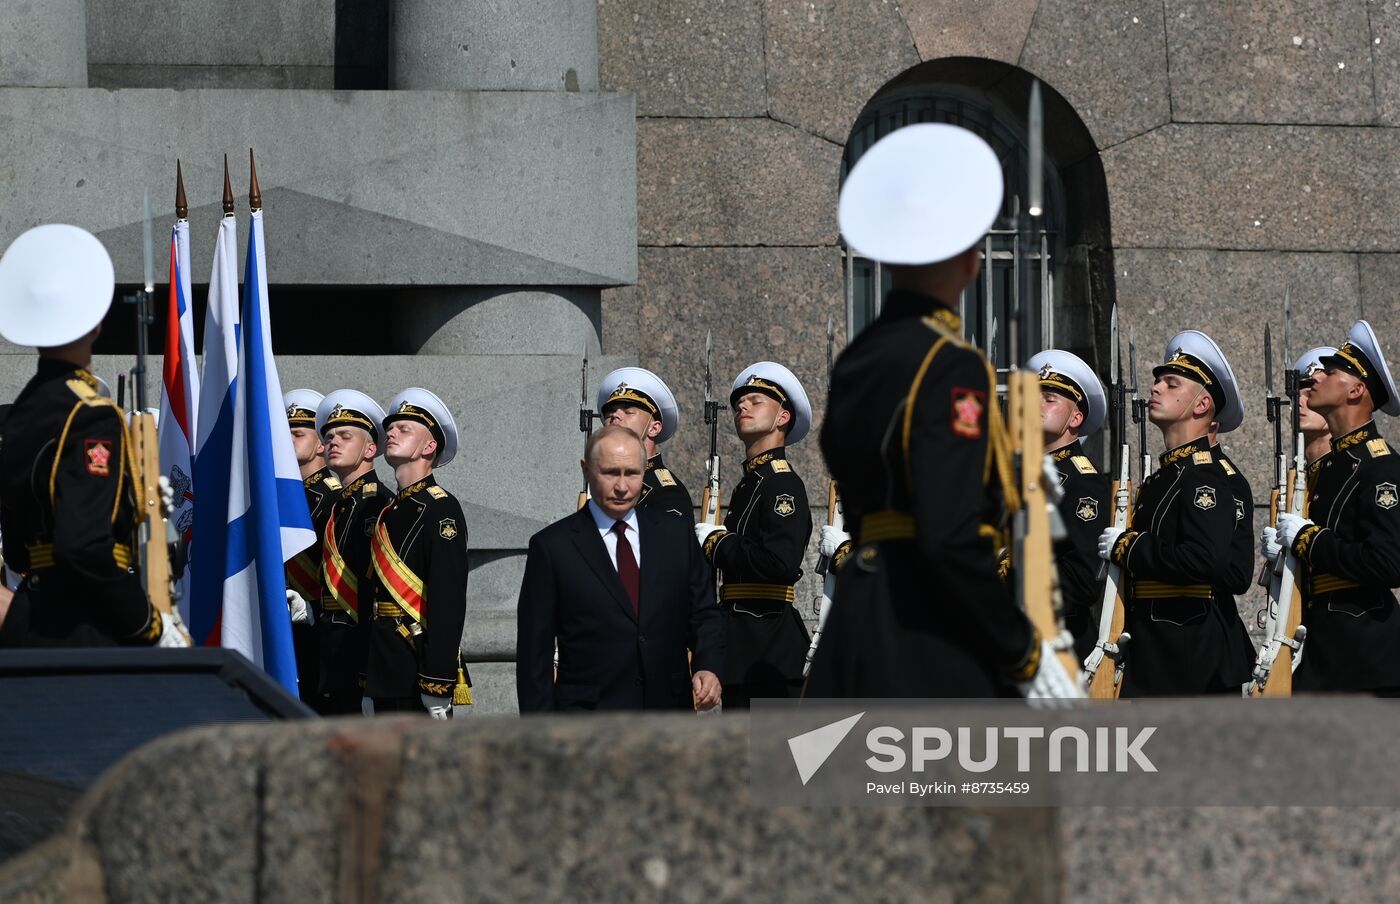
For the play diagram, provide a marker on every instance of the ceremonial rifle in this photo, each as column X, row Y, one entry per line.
column 585, row 421
column 709, row 499
column 1104, row 665
column 154, row 532
column 1036, row 522
column 1273, row 669
column 834, row 518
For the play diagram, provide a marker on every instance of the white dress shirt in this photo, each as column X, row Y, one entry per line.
column 605, row 527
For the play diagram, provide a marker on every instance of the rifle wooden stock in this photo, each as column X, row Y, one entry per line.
column 152, row 526
column 1280, row 682
column 582, row 498
column 835, row 518
column 709, row 498
column 1032, row 553
column 1104, row 685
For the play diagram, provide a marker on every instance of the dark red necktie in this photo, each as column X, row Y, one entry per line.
column 627, row 568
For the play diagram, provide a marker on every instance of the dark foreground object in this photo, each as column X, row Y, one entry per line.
column 67, row 715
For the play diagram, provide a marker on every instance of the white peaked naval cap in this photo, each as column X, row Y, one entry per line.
column 424, row 407
column 1311, row 360
column 780, row 383
column 1069, row 375
column 56, row 284
column 1361, row 355
column 350, row 408
column 1195, row 355
column 639, row 386
column 921, row 194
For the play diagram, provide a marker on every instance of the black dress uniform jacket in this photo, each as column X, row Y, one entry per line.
column 1351, row 560
column 426, row 529
column 304, row 576
column 69, row 516
column 609, row 657
column 1187, row 637
column 663, row 490
column 342, row 639
column 919, row 610
column 759, row 555
column 1086, row 510
column 1240, row 576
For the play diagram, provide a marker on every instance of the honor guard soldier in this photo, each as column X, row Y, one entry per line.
column 1072, row 407
column 759, row 548
column 67, row 468
column 1317, row 437
column 419, row 555
column 1178, row 557
column 1241, row 575
column 304, row 569
column 911, row 437
column 638, row 400
column 1350, row 542
column 349, row 424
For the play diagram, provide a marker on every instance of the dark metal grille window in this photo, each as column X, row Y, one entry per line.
column 987, row 305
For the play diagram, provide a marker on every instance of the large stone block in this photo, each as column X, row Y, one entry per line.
column 1302, row 188
column 525, row 45
column 1109, row 60
column 210, row 33
column 360, row 187
column 684, row 59
column 1285, row 61
column 497, row 321
column 1385, row 60
column 734, row 182
column 43, row 43
column 827, row 58
column 493, row 688
column 1380, row 299
column 993, row 29
column 154, row 75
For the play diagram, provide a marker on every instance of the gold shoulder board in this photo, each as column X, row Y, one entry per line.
column 1228, row 469
column 332, row 481
column 371, row 488
column 663, row 477
column 437, row 492
column 781, row 467
column 1201, row 458
column 82, row 390
column 1377, row 447
column 1084, row 465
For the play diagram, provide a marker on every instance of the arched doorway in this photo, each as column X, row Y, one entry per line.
column 1070, row 259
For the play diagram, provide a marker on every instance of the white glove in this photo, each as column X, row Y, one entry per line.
column 172, row 631
column 167, row 494
column 1051, row 681
column 1107, row 539
column 703, row 529
column 367, row 706
column 439, row 708
column 832, row 538
column 1289, row 526
column 301, row 612
column 1269, row 546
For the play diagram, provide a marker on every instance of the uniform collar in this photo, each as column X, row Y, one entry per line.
column 1359, row 435
column 1064, row 452
column 1185, row 451
column 900, row 303
column 418, row 487
column 763, row 458
column 321, row 476
column 654, row 462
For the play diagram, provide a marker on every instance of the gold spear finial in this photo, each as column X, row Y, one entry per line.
column 182, row 207
column 254, row 193
column 228, row 191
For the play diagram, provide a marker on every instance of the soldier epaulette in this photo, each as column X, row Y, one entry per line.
column 369, row 489
column 1377, row 447
column 781, row 467
column 1084, row 465
column 332, row 481
column 1202, row 458
column 437, row 492
column 663, row 477
column 87, row 395
column 1229, row 469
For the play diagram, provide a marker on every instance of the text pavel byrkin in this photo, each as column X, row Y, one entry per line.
column 1066, row 748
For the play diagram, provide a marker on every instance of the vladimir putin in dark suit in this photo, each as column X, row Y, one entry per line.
column 625, row 592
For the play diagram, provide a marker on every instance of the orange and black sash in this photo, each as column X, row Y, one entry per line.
column 302, row 575
column 340, row 579
column 403, row 585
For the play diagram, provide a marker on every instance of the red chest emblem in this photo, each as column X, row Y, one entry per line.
column 99, row 453
column 967, row 412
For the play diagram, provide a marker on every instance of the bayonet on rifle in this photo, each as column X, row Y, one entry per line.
column 709, row 498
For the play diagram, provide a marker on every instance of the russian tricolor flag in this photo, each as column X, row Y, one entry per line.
column 179, row 396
